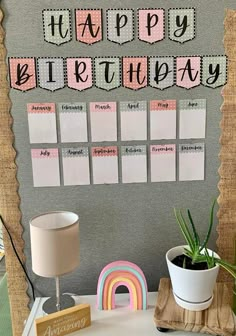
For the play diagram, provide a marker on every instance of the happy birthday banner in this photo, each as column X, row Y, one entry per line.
column 120, row 25
column 109, row 73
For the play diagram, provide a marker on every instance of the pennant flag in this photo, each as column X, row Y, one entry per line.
column 79, row 73
column 57, row 26
column 188, row 71
column 88, row 25
column 107, row 73
column 22, row 73
column 51, row 73
column 120, row 25
column 135, row 72
column 151, row 24
column 214, row 71
column 161, row 72
column 181, row 24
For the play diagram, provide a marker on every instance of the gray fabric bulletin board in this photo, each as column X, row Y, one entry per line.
column 117, row 222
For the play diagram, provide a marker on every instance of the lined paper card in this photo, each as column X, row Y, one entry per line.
column 75, row 166
column 162, row 119
column 103, row 119
column 134, row 164
column 42, row 123
column 192, row 124
column 73, row 122
column 45, row 164
column 192, row 162
column 105, row 165
column 163, row 163
column 133, row 118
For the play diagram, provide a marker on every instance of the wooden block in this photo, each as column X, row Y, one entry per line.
column 218, row 319
column 64, row 322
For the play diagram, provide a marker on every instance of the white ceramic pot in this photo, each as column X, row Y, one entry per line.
column 193, row 290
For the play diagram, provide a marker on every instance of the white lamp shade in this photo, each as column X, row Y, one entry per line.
column 54, row 243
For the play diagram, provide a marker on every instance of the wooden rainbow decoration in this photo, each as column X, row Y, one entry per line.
column 122, row 273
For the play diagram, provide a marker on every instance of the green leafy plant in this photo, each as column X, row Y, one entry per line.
column 197, row 251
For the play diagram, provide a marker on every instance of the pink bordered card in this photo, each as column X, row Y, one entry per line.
column 45, row 165
column 105, row 165
column 162, row 119
column 42, row 122
column 163, row 163
column 103, row 119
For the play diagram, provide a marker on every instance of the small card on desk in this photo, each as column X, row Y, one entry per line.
column 64, row 322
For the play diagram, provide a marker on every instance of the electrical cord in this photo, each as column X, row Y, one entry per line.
column 17, row 255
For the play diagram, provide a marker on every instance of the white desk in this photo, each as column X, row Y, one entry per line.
column 117, row 322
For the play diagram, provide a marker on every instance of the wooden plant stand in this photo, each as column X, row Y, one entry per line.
column 218, row 319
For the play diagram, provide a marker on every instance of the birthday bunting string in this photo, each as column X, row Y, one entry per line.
column 108, row 73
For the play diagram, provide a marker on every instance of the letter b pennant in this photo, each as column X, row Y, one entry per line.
column 22, row 73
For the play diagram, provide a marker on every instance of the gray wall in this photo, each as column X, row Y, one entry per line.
column 131, row 222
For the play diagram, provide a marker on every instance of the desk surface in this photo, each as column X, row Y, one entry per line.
column 117, row 322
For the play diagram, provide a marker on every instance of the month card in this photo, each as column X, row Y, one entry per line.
column 42, row 123
column 163, row 163
column 76, row 166
column 103, row 119
column 105, row 165
column 134, row 164
column 162, row 119
column 192, row 162
column 133, row 118
column 45, row 164
column 192, row 119
column 73, row 122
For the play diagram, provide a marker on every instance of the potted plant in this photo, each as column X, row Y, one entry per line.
column 193, row 267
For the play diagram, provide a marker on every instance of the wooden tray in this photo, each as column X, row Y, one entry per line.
column 218, row 319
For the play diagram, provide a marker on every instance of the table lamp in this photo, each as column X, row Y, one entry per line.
column 55, row 251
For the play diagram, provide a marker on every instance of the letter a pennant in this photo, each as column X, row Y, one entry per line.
column 188, row 71
column 51, row 73
column 214, row 71
column 57, row 26
column 88, row 25
column 181, row 24
column 120, row 25
column 135, row 72
column 107, row 73
column 22, row 73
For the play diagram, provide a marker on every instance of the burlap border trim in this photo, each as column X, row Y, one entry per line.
column 9, row 201
column 227, row 185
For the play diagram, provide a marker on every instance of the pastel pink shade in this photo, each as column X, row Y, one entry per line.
column 30, row 70
column 157, row 31
column 87, row 80
column 84, row 35
column 183, row 79
column 133, row 63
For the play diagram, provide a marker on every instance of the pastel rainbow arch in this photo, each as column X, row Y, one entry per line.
column 122, row 273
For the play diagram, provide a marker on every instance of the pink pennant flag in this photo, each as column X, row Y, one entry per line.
column 188, row 71
column 135, row 72
column 151, row 25
column 79, row 73
column 88, row 25
column 22, row 73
